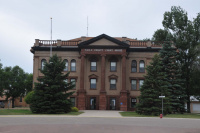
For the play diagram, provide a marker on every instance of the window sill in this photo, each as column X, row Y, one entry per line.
column 93, row 71
column 92, row 89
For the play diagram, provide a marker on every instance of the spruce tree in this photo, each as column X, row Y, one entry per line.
column 51, row 92
column 153, row 87
column 172, row 69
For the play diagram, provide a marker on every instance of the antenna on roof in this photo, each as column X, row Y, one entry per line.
column 51, row 39
column 87, row 26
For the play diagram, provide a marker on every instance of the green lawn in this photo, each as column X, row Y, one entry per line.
column 28, row 112
column 186, row 115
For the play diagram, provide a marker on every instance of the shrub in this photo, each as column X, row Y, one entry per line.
column 29, row 97
column 74, row 109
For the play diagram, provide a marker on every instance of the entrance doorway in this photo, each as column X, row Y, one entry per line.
column 93, row 103
column 112, row 104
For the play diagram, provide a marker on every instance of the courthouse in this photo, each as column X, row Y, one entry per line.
column 107, row 71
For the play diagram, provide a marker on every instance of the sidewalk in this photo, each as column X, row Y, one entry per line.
column 99, row 113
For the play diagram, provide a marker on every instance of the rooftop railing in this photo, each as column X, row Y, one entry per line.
column 69, row 43
column 47, row 42
column 138, row 44
column 75, row 43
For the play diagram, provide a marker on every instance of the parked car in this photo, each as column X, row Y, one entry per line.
column 2, row 105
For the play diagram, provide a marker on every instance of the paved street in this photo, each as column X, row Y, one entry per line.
column 85, row 124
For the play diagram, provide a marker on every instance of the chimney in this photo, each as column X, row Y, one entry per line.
column 123, row 39
column 83, row 38
column 36, row 42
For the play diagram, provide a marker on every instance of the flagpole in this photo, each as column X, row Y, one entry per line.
column 51, row 39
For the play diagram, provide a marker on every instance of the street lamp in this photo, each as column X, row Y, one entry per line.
column 162, row 102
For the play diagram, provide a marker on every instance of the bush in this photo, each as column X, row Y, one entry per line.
column 74, row 109
column 29, row 97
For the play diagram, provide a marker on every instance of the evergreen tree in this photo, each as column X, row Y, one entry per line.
column 51, row 92
column 153, row 87
column 172, row 69
column 186, row 37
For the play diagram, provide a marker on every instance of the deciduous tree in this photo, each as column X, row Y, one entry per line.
column 1, row 80
column 14, row 82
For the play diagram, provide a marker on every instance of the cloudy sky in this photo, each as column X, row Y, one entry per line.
column 23, row 21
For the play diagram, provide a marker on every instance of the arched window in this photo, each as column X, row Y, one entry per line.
column 73, row 65
column 43, row 61
column 142, row 66
column 134, row 66
column 66, row 65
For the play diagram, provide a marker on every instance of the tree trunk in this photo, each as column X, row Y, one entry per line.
column 13, row 102
column 188, row 104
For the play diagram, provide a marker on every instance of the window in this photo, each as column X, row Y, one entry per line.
column 73, row 101
column 93, row 83
column 93, row 66
column 43, row 61
column 133, row 102
column 141, row 83
column 66, row 65
column 73, row 65
column 142, row 66
column 20, row 100
column 113, row 66
column 73, row 81
column 133, row 84
column 112, row 84
column 66, row 80
column 134, row 66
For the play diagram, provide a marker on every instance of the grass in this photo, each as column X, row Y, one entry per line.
column 28, row 112
column 186, row 115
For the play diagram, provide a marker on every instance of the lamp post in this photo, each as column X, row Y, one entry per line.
column 162, row 104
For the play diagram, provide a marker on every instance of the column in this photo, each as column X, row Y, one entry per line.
column 102, row 96
column 103, row 72
column 81, row 92
column 123, row 93
column 82, row 72
column 123, row 72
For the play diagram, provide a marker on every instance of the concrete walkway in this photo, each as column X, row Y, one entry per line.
column 100, row 113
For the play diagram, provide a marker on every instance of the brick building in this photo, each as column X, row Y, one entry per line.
column 108, row 71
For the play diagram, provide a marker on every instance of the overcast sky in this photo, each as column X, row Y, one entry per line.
column 23, row 21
